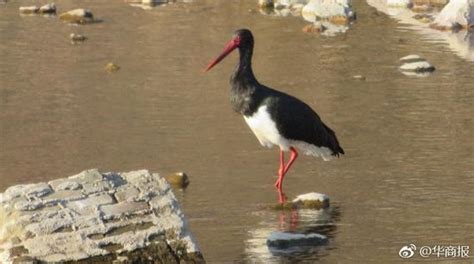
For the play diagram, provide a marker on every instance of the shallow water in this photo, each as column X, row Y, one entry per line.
column 407, row 177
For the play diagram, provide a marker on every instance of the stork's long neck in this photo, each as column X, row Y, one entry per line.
column 244, row 92
column 243, row 74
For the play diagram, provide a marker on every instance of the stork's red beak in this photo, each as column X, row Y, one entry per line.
column 229, row 47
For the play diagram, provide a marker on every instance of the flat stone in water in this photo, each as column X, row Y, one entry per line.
column 419, row 66
column 77, row 37
column 78, row 16
column 29, row 10
column 283, row 240
column 312, row 200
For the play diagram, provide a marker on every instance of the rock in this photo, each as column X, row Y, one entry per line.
column 127, row 195
column 430, row 2
column 64, row 184
column 359, row 77
column 399, row 3
column 419, row 66
column 111, row 67
column 70, row 225
column 149, row 4
column 422, row 8
column 335, row 11
column 312, row 201
column 178, row 179
column 284, row 240
column 455, row 15
column 305, row 201
column 47, row 9
column 296, row 9
column 424, row 18
column 156, row 2
column 314, row 28
column 28, row 10
column 77, row 16
column 415, row 63
column 77, row 37
column 265, row 3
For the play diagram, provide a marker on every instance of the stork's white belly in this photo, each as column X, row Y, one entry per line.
column 266, row 131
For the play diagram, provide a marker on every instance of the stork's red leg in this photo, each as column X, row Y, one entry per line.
column 294, row 155
column 281, row 170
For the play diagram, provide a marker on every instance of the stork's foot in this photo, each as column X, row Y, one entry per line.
column 282, row 197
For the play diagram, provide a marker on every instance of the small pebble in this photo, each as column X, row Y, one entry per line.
column 111, row 67
column 77, row 37
column 359, row 77
column 178, row 179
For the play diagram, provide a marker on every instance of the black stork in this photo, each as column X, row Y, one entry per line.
column 274, row 117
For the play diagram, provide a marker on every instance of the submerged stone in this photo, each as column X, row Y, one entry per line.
column 285, row 240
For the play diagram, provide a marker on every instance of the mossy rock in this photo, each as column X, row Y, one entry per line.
column 178, row 179
column 313, row 200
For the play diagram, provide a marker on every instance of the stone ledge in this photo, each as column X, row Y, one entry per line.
column 92, row 216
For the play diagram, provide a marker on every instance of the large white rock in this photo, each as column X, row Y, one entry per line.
column 108, row 214
column 456, row 14
column 326, row 9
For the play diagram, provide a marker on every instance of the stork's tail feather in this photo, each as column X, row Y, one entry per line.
column 334, row 143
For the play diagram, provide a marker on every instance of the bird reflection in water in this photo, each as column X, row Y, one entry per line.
column 299, row 221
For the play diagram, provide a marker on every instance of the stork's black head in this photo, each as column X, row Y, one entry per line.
column 243, row 39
